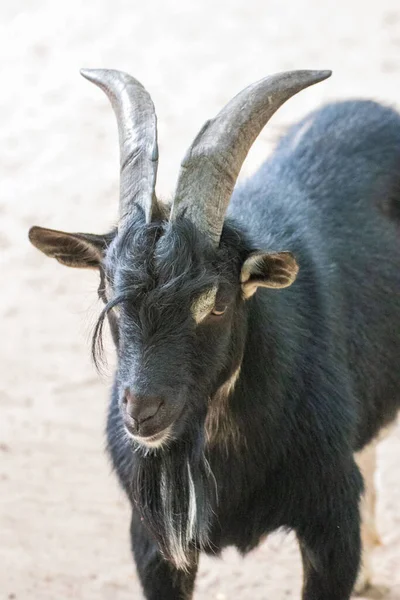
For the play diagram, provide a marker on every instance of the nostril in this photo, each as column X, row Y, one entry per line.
column 129, row 399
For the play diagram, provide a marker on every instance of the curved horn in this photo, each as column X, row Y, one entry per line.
column 137, row 127
column 211, row 166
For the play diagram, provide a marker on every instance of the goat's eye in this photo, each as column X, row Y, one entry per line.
column 219, row 310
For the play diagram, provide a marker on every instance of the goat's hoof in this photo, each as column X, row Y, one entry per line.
column 368, row 591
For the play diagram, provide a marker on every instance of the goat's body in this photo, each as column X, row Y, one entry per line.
column 331, row 194
column 320, row 375
column 240, row 400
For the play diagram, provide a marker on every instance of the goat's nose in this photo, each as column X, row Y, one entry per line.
column 141, row 408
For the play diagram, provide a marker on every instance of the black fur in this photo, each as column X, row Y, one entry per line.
column 319, row 360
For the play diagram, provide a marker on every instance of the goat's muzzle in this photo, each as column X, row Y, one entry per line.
column 145, row 417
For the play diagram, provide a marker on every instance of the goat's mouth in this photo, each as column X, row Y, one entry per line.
column 152, row 441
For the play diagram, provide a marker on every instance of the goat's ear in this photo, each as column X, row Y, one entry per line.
column 268, row 269
column 81, row 250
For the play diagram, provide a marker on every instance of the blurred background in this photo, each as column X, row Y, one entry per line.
column 63, row 520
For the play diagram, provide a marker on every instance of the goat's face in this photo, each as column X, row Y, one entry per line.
column 177, row 307
column 177, row 302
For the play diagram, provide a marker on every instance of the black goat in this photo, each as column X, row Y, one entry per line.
column 236, row 413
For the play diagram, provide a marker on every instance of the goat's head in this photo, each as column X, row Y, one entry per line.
column 174, row 281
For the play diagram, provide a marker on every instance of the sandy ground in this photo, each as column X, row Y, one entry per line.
column 63, row 520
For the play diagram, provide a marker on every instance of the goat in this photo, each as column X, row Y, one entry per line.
column 257, row 353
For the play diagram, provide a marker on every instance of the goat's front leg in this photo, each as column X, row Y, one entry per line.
column 160, row 579
column 366, row 461
column 330, row 544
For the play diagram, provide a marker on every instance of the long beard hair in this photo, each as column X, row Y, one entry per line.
column 175, row 493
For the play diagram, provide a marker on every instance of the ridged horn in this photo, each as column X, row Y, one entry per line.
column 137, row 128
column 211, row 166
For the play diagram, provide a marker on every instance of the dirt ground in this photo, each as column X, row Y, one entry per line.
column 63, row 519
